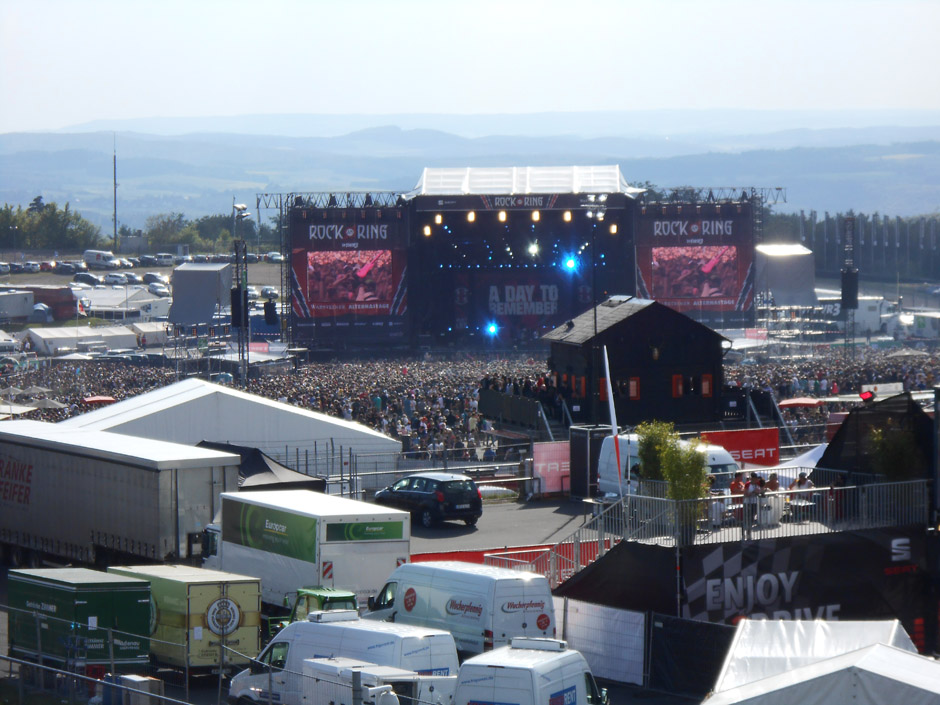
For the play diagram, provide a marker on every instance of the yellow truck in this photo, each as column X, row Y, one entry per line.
column 203, row 620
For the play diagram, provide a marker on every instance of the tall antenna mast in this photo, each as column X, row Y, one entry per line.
column 115, row 194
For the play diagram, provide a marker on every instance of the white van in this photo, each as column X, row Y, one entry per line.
column 340, row 633
column 718, row 460
column 528, row 672
column 330, row 680
column 164, row 259
column 482, row 606
column 100, row 259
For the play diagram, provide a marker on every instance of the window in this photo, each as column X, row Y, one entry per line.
column 400, row 485
column 386, row 598
column 595, row 695
column 275, row 655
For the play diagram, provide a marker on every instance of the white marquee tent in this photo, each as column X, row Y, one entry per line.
column 194, row 410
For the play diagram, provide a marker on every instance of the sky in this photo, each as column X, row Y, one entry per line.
column 66, row 62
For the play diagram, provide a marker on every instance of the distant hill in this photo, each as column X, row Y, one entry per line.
column 891, row 170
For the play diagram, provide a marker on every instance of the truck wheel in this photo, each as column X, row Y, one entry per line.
column 472, row 521
column 427, row 518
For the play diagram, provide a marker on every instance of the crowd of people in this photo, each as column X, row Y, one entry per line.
column 432, row 403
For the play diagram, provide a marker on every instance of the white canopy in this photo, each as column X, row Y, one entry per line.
column 765, row 648
column 872, row 675
column 522, row 179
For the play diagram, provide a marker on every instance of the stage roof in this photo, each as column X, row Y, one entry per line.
column 521, row 180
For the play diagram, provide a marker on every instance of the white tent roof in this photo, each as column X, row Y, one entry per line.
column 764, row 648
column 194, row 410
column 872, row 675
column 522, row 179
column 113, row 446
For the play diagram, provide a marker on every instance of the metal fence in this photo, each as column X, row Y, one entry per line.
column 75, row 660
column 725, row 518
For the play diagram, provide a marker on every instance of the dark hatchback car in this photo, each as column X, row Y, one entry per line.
column 434, row 497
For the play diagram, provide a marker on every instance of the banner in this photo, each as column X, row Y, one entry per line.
column 551, row 463
column 364, row 531
column 872, row 574
column 270, row 530
column 758, row 446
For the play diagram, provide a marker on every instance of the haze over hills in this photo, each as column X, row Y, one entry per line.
column 885, row 162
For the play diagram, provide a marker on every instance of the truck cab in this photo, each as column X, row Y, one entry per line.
column 317, row 598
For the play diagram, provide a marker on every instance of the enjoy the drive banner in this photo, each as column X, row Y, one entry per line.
column 270, row 530
column 870, row 574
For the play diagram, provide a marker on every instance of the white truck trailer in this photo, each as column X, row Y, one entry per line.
column 100, row 497
column 297, row 538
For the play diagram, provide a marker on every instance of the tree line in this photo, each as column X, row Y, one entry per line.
column 46, row 227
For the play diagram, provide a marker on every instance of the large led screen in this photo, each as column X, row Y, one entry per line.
column 700, row 263
column 348, row 276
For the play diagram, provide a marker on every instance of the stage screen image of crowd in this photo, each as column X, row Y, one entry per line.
column 348, row 281
column 701, row 266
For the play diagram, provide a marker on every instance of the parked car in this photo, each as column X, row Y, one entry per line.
column 17, row 268
column 148, row 261
column 87, row 278
column 134, row 261
column 117, row 278
column 80, row 265
column 48, row 266
column 4, row 267
column 269, row 292
column 156, row 278
column 65, row 268
column 434, row 497
column 253, row 294
column 158, row 289
column 133, row 278
column 182, row 259
column 32, row 267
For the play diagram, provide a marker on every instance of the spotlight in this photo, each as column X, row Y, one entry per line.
column 567, row 216
column 471, row 217
column 427, row 231
column 438, row 219
column 492, row 329
column 571, row 263
column 535, row 216
column 502, row 216
column 534, row 249
column 589, row 214
column 613, row 229
column 602, row 198
column 600, row 214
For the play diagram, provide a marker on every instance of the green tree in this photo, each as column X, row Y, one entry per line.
column 654, row 437
column 684, row 469
column 164, row 230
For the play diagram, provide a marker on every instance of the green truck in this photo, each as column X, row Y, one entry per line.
column 77, row 617
column 307, row 600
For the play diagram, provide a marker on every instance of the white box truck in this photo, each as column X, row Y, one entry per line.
column 277, row 674
column 482, row 606
column 299, row 538
column 718, row 460
column 528, row 672
column 331, row 680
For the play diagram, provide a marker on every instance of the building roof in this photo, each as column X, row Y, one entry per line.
column 610, row 312
column 142, row 452
column 521, row 180
column 580, row 329
column 193, row 410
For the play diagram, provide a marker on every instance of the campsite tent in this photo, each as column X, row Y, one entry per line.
column 872, row 675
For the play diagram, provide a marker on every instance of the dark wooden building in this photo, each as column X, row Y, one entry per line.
column 663, row 365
